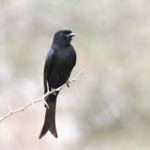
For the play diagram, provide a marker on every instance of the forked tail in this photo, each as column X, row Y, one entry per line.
column 49, row 123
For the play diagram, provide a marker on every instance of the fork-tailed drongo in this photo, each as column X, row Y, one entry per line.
column 60, row 60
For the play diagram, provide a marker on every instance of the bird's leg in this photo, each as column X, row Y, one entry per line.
column 68, row 83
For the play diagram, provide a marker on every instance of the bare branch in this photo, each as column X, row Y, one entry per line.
column 42, row 98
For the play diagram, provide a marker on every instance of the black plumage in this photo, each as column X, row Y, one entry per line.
column 60, row 60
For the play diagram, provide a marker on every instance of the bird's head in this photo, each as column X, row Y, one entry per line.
column 63, row 37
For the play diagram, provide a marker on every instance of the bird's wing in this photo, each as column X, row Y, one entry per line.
column 75, row 59
column 47, row 69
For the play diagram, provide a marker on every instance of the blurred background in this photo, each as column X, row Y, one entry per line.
column 108, row 107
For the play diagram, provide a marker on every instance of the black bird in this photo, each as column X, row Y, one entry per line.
column 60, row 60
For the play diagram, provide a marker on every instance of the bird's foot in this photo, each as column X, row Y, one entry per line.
column 53, row 91
column 68, row 83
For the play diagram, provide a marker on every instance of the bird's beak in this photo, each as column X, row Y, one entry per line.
column 71, row 35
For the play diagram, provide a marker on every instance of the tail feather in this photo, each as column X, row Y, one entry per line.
column 49, row 123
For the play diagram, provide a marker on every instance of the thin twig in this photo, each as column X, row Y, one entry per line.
column 42, row 98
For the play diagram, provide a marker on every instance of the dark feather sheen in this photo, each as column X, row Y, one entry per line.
column 60, row 60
